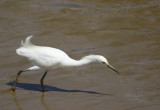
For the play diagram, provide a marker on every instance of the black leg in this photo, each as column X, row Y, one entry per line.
column 41, row 81
column 15, row 83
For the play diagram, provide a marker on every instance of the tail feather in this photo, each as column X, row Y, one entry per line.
column 27, row 41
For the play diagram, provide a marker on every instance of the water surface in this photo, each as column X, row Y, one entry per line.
column 126, row 32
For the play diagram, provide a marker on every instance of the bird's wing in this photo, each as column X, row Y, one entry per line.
column 49, row 52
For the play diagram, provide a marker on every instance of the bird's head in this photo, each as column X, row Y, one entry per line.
column 103, row 60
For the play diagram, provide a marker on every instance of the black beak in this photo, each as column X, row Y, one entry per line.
column 111, row 67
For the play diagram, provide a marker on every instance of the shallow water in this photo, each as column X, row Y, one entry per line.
column 126, row 32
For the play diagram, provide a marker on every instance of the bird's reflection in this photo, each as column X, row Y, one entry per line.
column 37, row 87
column 43, row 101
column 13, row 94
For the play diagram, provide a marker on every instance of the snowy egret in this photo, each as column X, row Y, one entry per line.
column 51, row 58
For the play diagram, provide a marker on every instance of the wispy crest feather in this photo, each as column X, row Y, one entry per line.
column 27, row 42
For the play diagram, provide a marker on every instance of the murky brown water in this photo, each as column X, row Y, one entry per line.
column 127, row 32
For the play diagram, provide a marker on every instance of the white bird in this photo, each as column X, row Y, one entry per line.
column 48, row 58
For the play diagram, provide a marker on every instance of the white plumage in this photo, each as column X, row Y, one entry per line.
column 51, row 58
column 48, row 58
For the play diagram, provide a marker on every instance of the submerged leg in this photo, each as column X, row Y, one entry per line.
column 41, row 81
column 15, row 83
column 19, row 73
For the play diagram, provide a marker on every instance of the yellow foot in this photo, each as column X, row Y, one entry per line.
column 13, row 89
column 44, row 90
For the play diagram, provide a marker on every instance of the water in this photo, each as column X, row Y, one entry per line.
column 126, row 32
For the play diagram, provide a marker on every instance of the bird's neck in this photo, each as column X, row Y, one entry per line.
column 82, row 61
